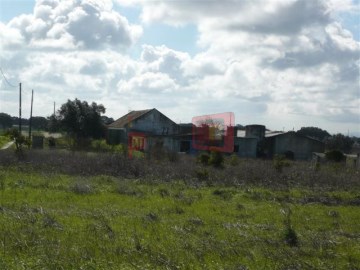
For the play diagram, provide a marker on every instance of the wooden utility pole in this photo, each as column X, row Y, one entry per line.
column 31, row 109
column 54, row 108
column 20, row 108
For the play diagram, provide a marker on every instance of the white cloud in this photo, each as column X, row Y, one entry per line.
column 271, row 62
column 74, row 24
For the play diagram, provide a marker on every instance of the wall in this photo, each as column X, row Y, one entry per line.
column 155, row 123
column 167, row 142
column 302, row 147
column 246, row 147
column 116, row 136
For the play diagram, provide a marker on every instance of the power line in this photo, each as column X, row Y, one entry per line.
column 6, row 80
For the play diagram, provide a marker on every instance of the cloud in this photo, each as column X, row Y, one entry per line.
column 267, row 61
column 73, row 24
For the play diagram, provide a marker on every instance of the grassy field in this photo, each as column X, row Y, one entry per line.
column 56, row 219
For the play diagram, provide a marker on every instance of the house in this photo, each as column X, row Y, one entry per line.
column 143, row 130
column 291, row 145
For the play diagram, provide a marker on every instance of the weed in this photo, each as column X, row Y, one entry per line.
column 50, row 222
column 151, row 217
column 216, row 159
column 2, row 182
column 234, row 160
column 335, row 155
column 280, row 162
column 125, row 188
column 202, row 174
column 203, row 158
column 196, row 221
column 164, row 192
column 289, row 235
column 173, row 156
column 224, row 194
column 81, row 188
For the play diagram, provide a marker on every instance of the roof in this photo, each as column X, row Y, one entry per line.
column 127, row 118
column 275, row 134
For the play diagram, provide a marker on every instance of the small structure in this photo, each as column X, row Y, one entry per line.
column 246, row 142
column 353, row 160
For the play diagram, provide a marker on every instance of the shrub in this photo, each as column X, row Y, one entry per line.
column 20, row 142
column 280, row 162
column 173, row 156
column 234, row 160
column 51, row 142
column 126, row 188
column 100, row 145
column 290, row 237
column 81, row 188
column 203, row 158
column 202, row 174
column 216, row 159
column 335, row 155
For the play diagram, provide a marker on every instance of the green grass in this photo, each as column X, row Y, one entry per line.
column 55, row 221
column 4, row 140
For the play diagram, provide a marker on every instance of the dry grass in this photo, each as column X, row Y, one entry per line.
column 244, row 173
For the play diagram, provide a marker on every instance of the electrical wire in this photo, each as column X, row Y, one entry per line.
column 6, row 80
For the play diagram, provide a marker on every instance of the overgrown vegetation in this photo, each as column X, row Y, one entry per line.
column 335, row 156
column 51, row 220
column 62, row 209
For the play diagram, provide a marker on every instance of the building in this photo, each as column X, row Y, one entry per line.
column 291, row 145
column 247, row 140
column 144, row 129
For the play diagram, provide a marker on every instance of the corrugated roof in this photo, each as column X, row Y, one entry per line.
column 272, row 134
column 127, row 118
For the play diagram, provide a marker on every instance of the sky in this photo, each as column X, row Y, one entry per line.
column 285, row 64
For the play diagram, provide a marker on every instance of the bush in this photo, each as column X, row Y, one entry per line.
column 100, row 146
column 290, row 237
column 280, row 162
column 51, row 142
column 234, row 160
column 202, row 174
column 173, row 156
column 81, row 188
column 335, row 155
column 203, row 158
column 216, row 159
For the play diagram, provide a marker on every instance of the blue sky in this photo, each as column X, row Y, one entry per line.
column 284, row 63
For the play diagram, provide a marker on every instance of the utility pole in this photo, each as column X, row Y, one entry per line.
column 20, row 108
column 54, row 108
column 31, row 109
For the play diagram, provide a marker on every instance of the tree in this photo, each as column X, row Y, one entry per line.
column 5, row 120
column 314, row 132
column 80, row 119
column 39, row 122
column 339, row 142
column 107, row 120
